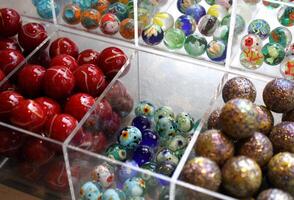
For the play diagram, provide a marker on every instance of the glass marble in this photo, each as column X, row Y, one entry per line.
column 164, row 111
column 71, row 14
column 225, row 3
column 196, row 11
column 145, row 108
column 221, row 33
column 184, row 122
column 270, row 4
column 109, row 24
column 90, row 18
column 273, row 53
column 177, row 144
column 195, row 45
column 290, row 50
column 239, row 24
column 117, row 152
column 44, row 9
column 182, row 5
column 281, row 35
column 252, row 2
column 101, row 5
column 141, row 122
column 150, row 138
column 134, row 187
column 216, row 50
column 287, row 67
column 149, row 180
column 90, row 191
column 186, row 23
column 113, row 194
column 152, row 34
column 207, row 25
column 285, row 16
column 103, row 174
column 142, row 154
column 125, row 172
column 118, row 9
column 83, row 4
column 259, row 27
column 166, row 168
column 166, row 127
column 166, row 155
column 251, row 58
column 130, row 137
column 127, row 29
column 174, row 38
column 164, row 20
column 251, row 41
column 217, row 11
column 210, row 2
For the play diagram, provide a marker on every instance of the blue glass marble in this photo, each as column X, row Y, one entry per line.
column 152, row 34
column 44, row 9
column 119, row 9
column 113, row 194
column 166, row 127
column 166, row 155
column 130, row 137
column 125, row 172
column 84, row 4
column 90, row 191
column 216, row 50
column 145, row 108
column 196, row 11
column 134, row 187
column 186, row 23
column 164, row 111
column 259, row 27
column 141, row 122
column 150, row 138
column 183, row 5
column 142, row 154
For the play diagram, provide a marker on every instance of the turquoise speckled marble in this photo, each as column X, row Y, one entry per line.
column 119, row 9
column 90, row 191
column 184, row 122
column 44, row 9
column 177, row 144
column 145, row 108
column 166, row 155
column 164, row 111
column 113, row 194
column 134, row 187
column 166, row 127
column 130, row 137
column 117, row 152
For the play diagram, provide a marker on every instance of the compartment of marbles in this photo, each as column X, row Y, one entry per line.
column 270, row 15
column 112, row 19
column 41, row 10
column 259, row 84
column 175, row 45
column 180, row 90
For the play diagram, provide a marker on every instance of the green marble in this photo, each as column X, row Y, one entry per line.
column 286, row 16
column 273, row 53
column 221, row 33
column 174, row 38
column 195, row 45
column 210, row 2
column 239, row 26
column 281, row 35
column 117, row 152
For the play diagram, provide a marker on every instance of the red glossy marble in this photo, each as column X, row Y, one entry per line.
column 37, row 152
column 41, row 58
column 50, row 106
column 31, row 35
column 88, row 56
column 8, row 101
column 84, row 140
column 10, row 22
column 112, row 126
column 59, row 82
column 65, row 60
column 90, row 79
column 63, row 45
column 6, row 84
column 99, row 143
column 123, row 105
column 29, row 171
column 60, row 126
column 78, row 105
column 30, row 79
column 28, row 114
column 10, row 142
column 9, row 43
column 9, row 60
column 111, row 61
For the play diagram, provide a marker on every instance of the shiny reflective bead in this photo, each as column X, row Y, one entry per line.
column 141, row 122
column 216, row 50
column 101, row 5
column 259, row 27
column 251, row 59
column 164, row 111
column 109, row 24
column 117, row 152
column 126, row 29
column 221, row 33
column 251, row 41
column 273, row 53
column 152, row 34
column 166, row 155
column 103, row 174
column 217, row 11
column 90, row 18
column 125, row 172
column 145, row 108
column 281, row 35
column 196, row 11
column 239, row 25
column 174, row 38
column 142, row 154
column 134, row 187
column 285, row 16
column 44, row 9
column 113, row 194
column 177, row 144
column 130, row 137
column 207, row 25
column 166, row 127
column 90, row 191
column 166, row 168
column 118, row 9
column 164, row 20
column 186, row 23
column 287, row 67
column 150, row 138
column 71, row 14
column 184, row 122
column 182, row 5
column 83, row 4
column 195, row 45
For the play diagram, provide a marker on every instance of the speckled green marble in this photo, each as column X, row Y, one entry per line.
column 174, row 38
column 273, row 53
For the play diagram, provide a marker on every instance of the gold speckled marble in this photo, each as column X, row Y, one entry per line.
column 265, row 120
column 282, row 137
column 288, row 116
column 274, row 194
column 213, row 119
